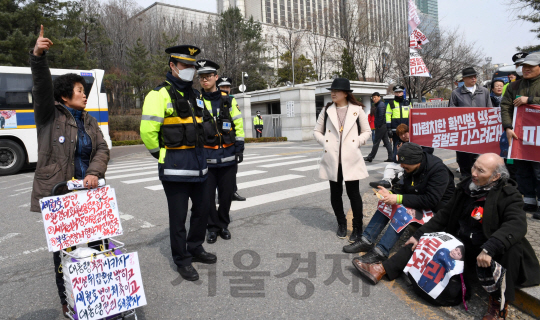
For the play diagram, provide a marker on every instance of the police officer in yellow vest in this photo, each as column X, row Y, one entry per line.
column 224, row 84
column 397, row 112
column 224, row 148
column 172, row 130
column 258, row 124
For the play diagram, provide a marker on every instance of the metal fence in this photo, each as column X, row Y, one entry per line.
column 271, row 126
column 431, row 104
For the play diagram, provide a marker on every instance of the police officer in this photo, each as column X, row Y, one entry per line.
column 397, row 112
column 258, row 124
column 172, row 130
column 224, row 147
column 224, row 84
column 518, row 59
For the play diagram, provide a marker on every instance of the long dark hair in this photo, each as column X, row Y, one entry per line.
column 351, row 99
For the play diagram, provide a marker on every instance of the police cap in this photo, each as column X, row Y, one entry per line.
column 224, row 82
column 206, row 66
column 398, row 88
column 184, row 53
column 519, row 57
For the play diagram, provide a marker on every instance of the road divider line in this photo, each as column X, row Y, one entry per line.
column 141, row 180
column 133, row 169
column 308, row 168
column 128, row 175
column 260, row 182
column 279, row 195
column 131, row 163
column 272, row 165
column 261, row 157
column 249, row 173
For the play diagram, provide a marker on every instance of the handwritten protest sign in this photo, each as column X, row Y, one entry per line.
column 400, row 216
column 437, row 257
column 106, row 286
column 474, row 130
column 79, row 217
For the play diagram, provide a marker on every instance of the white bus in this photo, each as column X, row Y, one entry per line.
column 18, row 134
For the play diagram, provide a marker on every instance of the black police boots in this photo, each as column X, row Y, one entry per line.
column 188, row 273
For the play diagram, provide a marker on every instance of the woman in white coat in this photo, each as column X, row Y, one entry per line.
column 345, row 130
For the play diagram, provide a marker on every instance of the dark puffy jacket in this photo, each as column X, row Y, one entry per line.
column 380, row 114
column 430, row 187
column 56, row 160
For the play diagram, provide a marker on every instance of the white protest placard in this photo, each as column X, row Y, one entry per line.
column 106, row 286
column 437, row 257
column 80, row 217
column 417, row 39
column 417, row 67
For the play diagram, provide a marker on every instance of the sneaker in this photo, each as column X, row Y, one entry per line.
column 362, row 245
column 382, row 183
column 373, row 256
column 341, row 231
column 355, row 234
column 530, row 207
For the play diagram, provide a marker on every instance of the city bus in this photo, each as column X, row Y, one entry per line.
column 18, row 134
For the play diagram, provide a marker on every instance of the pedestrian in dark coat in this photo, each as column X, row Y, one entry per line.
column 380, row 129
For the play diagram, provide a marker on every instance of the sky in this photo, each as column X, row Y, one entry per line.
column 491, row 24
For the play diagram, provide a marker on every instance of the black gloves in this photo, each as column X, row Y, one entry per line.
column 390, row 134
column 155, row 154
column 239, row 157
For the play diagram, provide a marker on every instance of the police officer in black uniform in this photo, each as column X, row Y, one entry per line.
column 225, row 84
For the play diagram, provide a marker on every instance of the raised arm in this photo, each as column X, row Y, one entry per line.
column 43, row 90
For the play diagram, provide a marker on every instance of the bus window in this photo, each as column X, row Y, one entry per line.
column 15, row 91
column 89, row 82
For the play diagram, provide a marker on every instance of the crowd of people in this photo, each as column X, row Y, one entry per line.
column 198, row 139
column 486, row 210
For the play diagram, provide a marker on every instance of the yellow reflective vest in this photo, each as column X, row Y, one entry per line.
column 172, row 126
column 396, row 114
column 257, row 121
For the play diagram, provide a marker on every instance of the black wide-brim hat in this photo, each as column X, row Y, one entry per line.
column 468, row 72
column 341, row 84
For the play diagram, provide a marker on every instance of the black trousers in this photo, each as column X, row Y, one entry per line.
column 353, row 192
column 184, row 245
column 381, row 133
column 224, row 179
column 395, row 141
column 465, row 161
column 257, row 129
column 58, row 274
column 509, row 260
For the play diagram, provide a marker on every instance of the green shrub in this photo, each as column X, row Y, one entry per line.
column 125, row 123
column 265, row 139
column 126, row 143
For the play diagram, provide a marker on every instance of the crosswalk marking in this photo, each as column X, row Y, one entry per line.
column 240, row 174
column 307, row 168
column 131, row 163
column 270, row 160
column 141, row 180
column 260, row 182
column 137, row 168
column 261, row 157
column 272, row 165
column 155, row 188
column 128, row 175
column 279, row 195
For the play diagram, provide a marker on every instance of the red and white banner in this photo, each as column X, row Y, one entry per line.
column 417, row 39
column 414, row 19
column 527, row 128
column 473, row 130
column 417, row 67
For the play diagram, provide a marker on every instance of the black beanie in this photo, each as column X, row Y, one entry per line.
column 410, row 153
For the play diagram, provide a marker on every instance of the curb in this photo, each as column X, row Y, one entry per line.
column 528, row 300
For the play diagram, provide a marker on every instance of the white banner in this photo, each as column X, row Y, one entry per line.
column 417, row 39
column 414, row 19
column 417, row 67
column 437, row 257
column 107, row 286
column 80, row 217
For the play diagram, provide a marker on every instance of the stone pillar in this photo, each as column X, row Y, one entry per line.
column 298, row 125
column 367, row 102
column 244, row 103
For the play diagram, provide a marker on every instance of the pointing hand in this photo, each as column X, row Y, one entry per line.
column 42, row 44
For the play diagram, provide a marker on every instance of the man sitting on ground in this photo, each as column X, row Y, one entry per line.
column 498, row 236
column 427, row 185
column 393, row 171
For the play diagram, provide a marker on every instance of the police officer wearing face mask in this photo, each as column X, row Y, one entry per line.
column 172, row 130
column 397, row 112
column 518, row 59
column 224, row 148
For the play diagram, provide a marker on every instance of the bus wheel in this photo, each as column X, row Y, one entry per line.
column 12, row 157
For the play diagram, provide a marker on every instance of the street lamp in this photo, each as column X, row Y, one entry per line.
column 244, row 76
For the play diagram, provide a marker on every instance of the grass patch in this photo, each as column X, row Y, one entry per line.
column 126, row 143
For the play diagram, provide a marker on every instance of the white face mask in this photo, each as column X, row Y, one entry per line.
column 186, row 74
column 519, row 71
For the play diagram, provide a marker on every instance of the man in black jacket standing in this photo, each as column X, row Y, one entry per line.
column 380, row 129
column 427, row 185
column 498, row 234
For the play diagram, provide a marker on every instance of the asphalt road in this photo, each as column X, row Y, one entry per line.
column 286, row 218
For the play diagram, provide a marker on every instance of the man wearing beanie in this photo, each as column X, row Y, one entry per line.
column 427, row 185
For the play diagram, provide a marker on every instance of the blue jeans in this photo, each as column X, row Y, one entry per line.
column 374, row 228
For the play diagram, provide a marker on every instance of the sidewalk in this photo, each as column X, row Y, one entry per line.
column 526, row 306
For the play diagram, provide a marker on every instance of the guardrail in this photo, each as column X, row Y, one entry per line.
column 431, row 104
